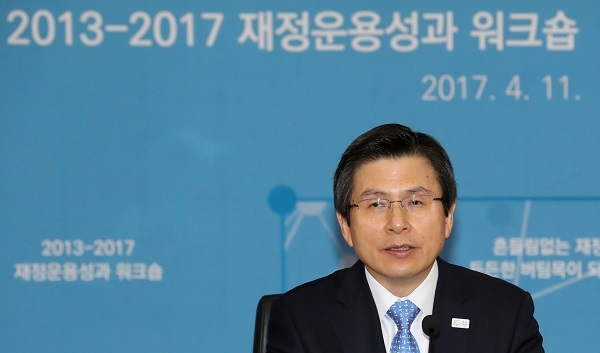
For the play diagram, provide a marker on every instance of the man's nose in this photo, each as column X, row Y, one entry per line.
column 397, row 218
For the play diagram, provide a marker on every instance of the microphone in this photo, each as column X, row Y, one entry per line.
column 431, row 327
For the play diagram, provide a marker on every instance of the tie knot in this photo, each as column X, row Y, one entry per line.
column 403, row 313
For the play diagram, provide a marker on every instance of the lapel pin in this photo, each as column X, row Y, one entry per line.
column 460, row 323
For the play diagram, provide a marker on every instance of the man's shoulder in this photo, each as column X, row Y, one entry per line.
column 476, row 282
column 318, row 288
column 325, row 290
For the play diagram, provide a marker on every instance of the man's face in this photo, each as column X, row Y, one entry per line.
column 398, row 249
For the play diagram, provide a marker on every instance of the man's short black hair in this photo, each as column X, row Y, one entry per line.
column 391, row 141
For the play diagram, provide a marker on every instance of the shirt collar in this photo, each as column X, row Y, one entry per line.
column 422, row 296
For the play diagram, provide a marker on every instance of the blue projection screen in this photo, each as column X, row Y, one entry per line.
column 164, row 164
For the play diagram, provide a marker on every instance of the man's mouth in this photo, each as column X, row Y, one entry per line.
column 400, row 251
column 400, row 248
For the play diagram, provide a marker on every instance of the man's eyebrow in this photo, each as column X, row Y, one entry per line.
column 418, row 189
column 372, row 192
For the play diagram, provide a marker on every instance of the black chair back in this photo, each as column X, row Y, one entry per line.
column 263, row 312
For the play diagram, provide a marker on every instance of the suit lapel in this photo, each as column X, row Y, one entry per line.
column 356, row 323
column 451, row 297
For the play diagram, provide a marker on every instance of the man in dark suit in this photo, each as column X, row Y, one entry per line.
column 395, row 196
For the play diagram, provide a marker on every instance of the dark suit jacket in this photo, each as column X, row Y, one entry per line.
column 337, row 314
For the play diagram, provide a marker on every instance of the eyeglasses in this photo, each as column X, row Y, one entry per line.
column 413, row 205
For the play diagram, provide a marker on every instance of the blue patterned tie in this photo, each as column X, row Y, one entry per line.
column 403, row 313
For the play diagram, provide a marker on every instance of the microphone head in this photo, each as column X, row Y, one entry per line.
column 431, row 326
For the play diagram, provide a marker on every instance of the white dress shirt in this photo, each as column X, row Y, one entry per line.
column 422, row 297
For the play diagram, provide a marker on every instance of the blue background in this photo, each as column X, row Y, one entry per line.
column 210, row 158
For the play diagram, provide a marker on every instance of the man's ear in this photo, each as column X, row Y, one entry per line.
column 450, row 220
column 345, row 228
